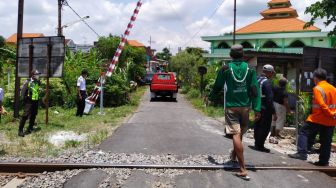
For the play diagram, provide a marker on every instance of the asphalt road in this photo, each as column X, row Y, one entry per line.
column 166, row 127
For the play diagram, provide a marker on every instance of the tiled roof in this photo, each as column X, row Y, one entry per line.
column 276, row 25
column 278, row 10
column 135, row 43
column 278, row 1
column 12, row 38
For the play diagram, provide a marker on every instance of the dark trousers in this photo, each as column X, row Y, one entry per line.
column 30, row 111
column 326, row 134
column 81, row 103
column 262, row 128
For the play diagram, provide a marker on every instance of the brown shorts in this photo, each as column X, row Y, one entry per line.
column 237, row 120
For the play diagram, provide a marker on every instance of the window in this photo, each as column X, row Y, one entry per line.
column 270, row 44
column 246, row 45
column 163, row 77
column 297, row 44
column 223, row 45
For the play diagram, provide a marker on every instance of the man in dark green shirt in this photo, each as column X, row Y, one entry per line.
column 242, row 90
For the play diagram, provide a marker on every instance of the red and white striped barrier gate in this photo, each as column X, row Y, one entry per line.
column 91, row 100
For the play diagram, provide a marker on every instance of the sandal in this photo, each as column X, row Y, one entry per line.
column 244, row 177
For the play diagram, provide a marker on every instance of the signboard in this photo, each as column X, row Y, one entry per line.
column 314, row 58
column 40, row 59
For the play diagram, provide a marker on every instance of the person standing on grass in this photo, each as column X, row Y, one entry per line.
column 322, row 120
column 81, row 93
column 281, row 107
column 263, row 125
column 31, row 94
column 242, row 89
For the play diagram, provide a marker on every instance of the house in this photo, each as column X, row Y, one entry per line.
column 135, row 43
column 12, row 39
column 85, row 48
column 70, row 44
column 278, row 38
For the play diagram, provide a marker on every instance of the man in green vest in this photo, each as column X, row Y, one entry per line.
column 242, row 90
column 30, row 93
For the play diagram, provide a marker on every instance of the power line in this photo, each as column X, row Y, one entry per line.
column 67, row 4
column 205, row 23
column 178, row 15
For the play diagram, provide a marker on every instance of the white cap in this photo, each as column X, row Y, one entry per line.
column 268, row 68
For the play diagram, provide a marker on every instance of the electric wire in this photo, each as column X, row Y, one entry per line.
column 66, row 3
column 179, row 16
column 205, row 23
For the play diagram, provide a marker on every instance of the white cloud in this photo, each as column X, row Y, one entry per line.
column 169, row 22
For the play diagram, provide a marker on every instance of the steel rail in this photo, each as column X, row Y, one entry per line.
column 52, row 167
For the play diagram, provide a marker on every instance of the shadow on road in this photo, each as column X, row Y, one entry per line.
column 229, row 165
column 163, row 99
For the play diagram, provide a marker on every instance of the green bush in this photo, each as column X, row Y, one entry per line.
column 193, row 93
column 185, row 89
column 116, row 90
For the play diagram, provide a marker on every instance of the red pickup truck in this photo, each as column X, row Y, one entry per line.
column 164, row 84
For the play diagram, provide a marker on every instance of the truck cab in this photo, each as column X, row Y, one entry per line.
column 164, row 84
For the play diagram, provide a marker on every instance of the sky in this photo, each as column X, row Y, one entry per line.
column 169, row 23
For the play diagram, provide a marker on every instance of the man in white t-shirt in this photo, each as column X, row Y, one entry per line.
column 81, row 92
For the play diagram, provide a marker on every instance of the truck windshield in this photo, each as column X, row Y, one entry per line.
column 164, row 77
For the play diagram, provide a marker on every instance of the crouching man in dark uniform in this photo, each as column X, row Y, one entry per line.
column 30, row 94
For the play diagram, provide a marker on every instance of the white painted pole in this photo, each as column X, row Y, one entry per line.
column 101, row 112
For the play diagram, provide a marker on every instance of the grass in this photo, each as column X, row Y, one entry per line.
column 97, row 127
column 210, row 111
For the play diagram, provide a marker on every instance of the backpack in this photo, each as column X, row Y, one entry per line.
column 261, row 81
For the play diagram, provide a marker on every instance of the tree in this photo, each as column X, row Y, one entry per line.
column 164, row 55
column 186, row 65
column 2, row 41
column 108, row 45
column 326, row 10
column 196, row 51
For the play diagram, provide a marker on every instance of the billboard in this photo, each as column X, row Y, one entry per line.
column 39, row 55
column 314, row 58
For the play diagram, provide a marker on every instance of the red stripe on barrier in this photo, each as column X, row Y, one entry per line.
column 115, row 59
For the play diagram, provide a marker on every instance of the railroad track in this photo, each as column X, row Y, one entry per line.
column 31, row 169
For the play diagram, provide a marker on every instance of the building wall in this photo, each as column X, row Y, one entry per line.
column 281, row 42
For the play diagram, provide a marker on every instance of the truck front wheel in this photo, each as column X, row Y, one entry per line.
column 152, row 95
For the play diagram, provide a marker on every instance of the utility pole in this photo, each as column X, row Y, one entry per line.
column 234, row 21
column 150, row 42
column 60, row 3
column 17, row 79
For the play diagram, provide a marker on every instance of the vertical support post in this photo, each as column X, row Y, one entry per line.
column 101, row 112
column 59, row 31
column 8, row 78
column 31, row 52
column 234, row 21
column 47, row 89
column 17, row 79
column 202, row 80
column 297, row 121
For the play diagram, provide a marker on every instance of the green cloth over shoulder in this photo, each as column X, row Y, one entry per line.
column 242, row 86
